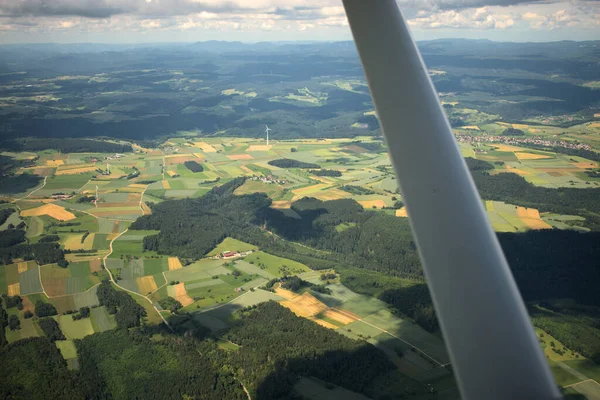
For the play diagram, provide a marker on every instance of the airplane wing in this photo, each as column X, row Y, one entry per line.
column 494, row 350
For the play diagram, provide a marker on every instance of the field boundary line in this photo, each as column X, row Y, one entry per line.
column 65, row 295
column 30, row 193
column 125, row 289
column 142, row 198
column 230, row 301
column 394, row 336
column 584, row 381
column 42, row 282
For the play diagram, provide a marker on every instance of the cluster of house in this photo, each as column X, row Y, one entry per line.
column 269, row 179
column 61, row 196
column 511, row 140
column 233, row 254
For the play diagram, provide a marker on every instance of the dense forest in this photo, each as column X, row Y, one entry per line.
column 191, row 228
column 65, row 146
column 34, row 369
column 277, row 348
column 172, row 368
column 576, row 327
column 127, row 312
column 5, row 213
column 43, row 253
column 289, row 163
column 193, row 166
column 356, row 190
column 326, row 172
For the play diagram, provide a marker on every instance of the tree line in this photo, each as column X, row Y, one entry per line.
column 65, row 146
column 289, row 163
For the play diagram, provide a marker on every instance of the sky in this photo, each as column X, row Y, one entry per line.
column 141, row 21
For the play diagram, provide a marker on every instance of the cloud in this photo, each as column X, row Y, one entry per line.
column 479, row 18
column 284, row 15
column 292, row 9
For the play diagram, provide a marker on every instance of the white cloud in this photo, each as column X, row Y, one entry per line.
column 479, row 18
column 286, row 15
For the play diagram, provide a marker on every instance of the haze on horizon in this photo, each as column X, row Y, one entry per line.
column 140, row 21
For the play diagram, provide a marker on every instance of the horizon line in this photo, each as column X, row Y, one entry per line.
column 282, row 42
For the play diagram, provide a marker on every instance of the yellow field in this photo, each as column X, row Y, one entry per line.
column 584, row 165
column 54, row 163
column 279, row 204
column 137, row 185
column 505, row 147
column 523, row 212
column 321, row 179
column 338, row 316
column 171, row 173
column 205, row 147
column 536, row 223
column 146, row 284
column 14, row 289
column 474, row 127
column 88, row 243
column 73, row 171
column 324, row 324
column 305, row 191
column 54, row 211
column 166, row 184
column 229, row 92
column 258, row 147
column 199, row 155
column 22, row 266
column 181, row 295
column 520, row 126
column 174, row 263
column 246, row 169
column 240, row 157
column 371, row 203
column 286, row 294
column 516, row 171
column 145, row 209
column 333, row 194
column 531, row 218
column 401, row 212
column 530, row 156
column 73, row 242
column 305, row 305
column 594, row 125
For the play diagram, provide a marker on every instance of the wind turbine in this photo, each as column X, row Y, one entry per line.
column 267, row 129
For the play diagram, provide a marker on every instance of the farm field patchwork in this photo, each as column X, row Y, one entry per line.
column 212, row 290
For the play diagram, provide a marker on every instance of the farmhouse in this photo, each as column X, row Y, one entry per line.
column 228, row 254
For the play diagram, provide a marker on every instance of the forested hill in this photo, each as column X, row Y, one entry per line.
column 542, row 261
column 65, row 145
column 190, row 228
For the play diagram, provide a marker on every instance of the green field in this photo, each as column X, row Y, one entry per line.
column 101, row 320
column 67, row 348
column 230, row 244
column 276, row 266
column 75, row 329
